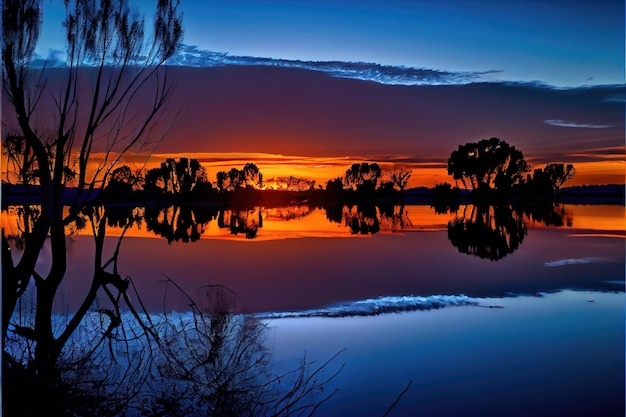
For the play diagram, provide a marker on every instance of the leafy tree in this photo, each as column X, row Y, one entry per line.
column 363, row 176
column 292, row 183
column 558, row 174
column 64, row 116
column 21, row 161
column 177, row 177
column 445, row 198
column 222, row 180
column 334, row 186
column 124, row 180
column 547, row 182
column 252, row 177
column 235, row 179
column 248, row 176
column 487, row 164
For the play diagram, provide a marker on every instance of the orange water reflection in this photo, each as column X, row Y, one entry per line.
column 272, row 223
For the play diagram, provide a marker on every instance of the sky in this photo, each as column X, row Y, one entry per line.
column 558, row 42
column 306, row 87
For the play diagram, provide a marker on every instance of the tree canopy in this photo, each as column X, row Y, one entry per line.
column 248, row 176
column 488, row 164
column 363, row 176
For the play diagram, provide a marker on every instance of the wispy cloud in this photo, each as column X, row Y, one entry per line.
column 565, row 123
column 574, row 261
column 385, row 74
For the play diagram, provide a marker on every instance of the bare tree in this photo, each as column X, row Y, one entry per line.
column 213, row 362
column 400, row 177
column 104, row 102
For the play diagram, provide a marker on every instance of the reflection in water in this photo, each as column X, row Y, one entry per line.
column 369, row 219
column 487, row 232
column 492, row 232
column 549, row 215
column 188, row 224
column 245, row 222
column 175, row 223
column 207, row 361
column 362, row 219
column 195, row 351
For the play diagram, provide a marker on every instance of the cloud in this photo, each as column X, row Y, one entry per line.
column 564, row 123
column 56, row 58
column 191, row 56
column 574, row 261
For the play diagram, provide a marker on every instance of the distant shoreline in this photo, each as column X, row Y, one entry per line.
column 585, row 194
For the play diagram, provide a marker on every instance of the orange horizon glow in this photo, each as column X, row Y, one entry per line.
column 322, row 169
column 305, row 222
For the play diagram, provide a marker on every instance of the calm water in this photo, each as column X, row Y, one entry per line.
column 553, row 346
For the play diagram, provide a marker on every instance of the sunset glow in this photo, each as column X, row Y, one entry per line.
column 302, row 221
column 323, row 169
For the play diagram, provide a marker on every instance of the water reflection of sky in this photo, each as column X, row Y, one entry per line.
column 294, row 274
column 560, row 354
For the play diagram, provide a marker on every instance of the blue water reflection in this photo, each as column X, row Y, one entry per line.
column 559, row 354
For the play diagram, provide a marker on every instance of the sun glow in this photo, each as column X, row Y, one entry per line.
column 319, row 170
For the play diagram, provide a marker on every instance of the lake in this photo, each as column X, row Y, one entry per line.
column 482, row 311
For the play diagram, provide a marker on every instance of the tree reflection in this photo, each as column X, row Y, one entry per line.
column 213, row 362
column 362, row 219
column 395, row 218
column 246, row 222
column 549, row 214
column 71, row 382
column 488, row 232
column 115, row 357
column 175, row 223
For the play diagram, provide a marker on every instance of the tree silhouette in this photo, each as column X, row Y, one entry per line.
column 393, row 221
column 252, row 177
column 240, row 222
column 175, row 223
column 21, row 161
column 248, row 176
column 488, row 232
column 335, row 186
column 544, row 185
column 444, row 198
column 362, row 219
column 176, row 177
column 235, row 179
column 221, row 180
column 91, row 110
column 559, row 174
column 363, row 176
column 122, row 184
column 487, row 164
column 549, row 213
column 400, row 177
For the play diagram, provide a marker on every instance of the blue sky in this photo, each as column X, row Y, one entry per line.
column 561, row 43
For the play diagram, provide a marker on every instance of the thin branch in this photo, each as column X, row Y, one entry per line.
column 398, row 399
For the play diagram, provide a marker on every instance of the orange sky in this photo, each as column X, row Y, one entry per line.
column 308, row 124
column 322, row 169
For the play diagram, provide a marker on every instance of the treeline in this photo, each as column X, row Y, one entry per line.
column 488, row 171
column 493, row 171
column 186, row 180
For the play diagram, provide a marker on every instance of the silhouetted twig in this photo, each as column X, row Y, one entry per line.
column 398, row 399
